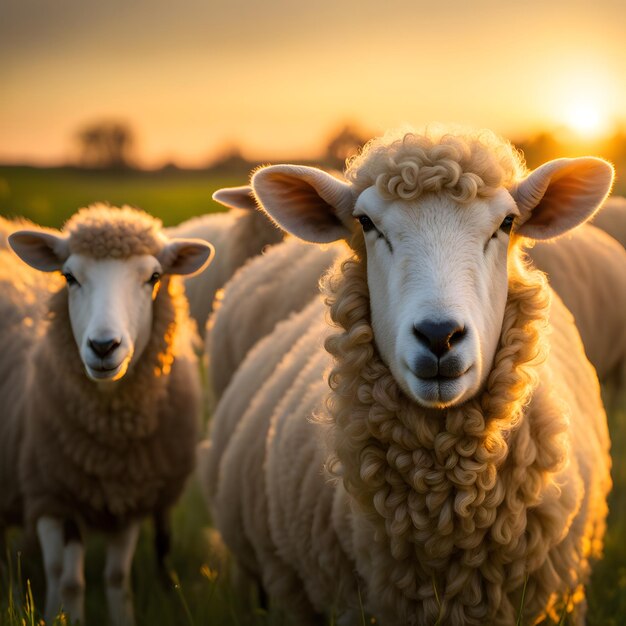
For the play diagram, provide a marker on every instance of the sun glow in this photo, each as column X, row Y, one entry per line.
column 586, row 118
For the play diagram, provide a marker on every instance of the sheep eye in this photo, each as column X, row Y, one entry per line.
column 366, row 223
column 507, row 224
column 154, row 279
column 70, row 279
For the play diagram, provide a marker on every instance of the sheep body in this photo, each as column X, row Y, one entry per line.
column 111, row 456
column 588, row 271
column 236, row 235
column 611, row 218
column 260, row 366
column 434, row 516
column 93, row 456
column 264, row 291
column 296, row 531
column 22, row 312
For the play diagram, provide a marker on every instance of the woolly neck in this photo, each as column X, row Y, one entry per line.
column 445, row 497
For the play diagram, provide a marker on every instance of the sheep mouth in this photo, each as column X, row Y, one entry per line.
column 442, row 391
column 443, row 378
column 106, row 373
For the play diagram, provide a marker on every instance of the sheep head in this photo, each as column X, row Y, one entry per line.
column 438, row 222
column 113, row 261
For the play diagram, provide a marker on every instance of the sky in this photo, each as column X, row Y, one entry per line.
column 276, row 78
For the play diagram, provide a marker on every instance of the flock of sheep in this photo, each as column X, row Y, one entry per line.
column 406, row 415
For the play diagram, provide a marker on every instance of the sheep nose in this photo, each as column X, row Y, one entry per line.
column 104, row 347
column 439, row 337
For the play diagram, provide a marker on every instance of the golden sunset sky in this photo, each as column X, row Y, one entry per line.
column 277, row 77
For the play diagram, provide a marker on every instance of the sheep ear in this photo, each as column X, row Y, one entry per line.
column 44, row 251
column 236, row 197
column 561, row 195
column 305, row 201
column 185, row 256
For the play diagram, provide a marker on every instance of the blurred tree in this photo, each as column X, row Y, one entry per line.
column 106, row 145
column 345, row 143
column 539, row 149
column 230, row 160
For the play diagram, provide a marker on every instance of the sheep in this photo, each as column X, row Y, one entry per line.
column 277, row 283
column 460, row 420
column 237, row 235
column 611, row 218
column 587, row 269
column 100, row 393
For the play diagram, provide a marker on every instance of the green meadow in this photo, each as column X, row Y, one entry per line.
column 50, row 196
column 204, row 588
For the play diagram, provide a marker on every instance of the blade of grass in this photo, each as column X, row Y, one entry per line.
column 358, row 587
column 30, row 604
column 564, row 613
column 437, row 600
column 181, row 597
column 518, row 622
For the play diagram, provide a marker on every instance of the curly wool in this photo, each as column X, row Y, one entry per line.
column 100, row 231
column 455, row 497
column 464, row 166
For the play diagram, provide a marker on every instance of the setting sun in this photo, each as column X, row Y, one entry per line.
column 586, row 118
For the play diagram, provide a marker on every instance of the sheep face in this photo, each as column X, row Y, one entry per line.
column 110, row 307
column 436, row 248
column 437, row 277
column 110, row 298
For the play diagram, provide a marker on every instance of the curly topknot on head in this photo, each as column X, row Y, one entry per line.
column 465, row 164
column 101, row 231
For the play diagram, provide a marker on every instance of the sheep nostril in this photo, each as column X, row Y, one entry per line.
column 103, row 348
column 439, row 337
column 457, row 335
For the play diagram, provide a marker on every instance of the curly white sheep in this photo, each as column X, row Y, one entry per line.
column 236, row 235
column 463, row 422
column 100, row 393
column 276, row 284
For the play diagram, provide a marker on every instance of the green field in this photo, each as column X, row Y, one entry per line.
column 205, row 592
column 50, row 196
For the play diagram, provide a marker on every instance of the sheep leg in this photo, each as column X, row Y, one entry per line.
column 72, row 584
column 119, row 558
column 63, row 558
column 4, row 555
column 264, row 600
column 162, row 543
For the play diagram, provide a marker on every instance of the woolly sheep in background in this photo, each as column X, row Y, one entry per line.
column 611, row 218
column 99, row 392
column 463, row 425
column 587, row 268
column 264, row 291
column 236, row 235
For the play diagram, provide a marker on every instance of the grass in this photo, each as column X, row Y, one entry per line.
column 607, row 591
column 50, row 196
column 203, row 591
